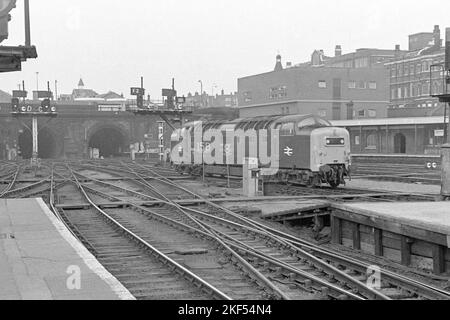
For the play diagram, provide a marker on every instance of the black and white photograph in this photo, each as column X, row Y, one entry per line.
column 222, row 156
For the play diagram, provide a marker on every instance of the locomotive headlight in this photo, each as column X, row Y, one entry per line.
column 328, row 141
column 342, row 141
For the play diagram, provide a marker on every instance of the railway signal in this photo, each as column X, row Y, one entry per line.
column 5, row 7
column 15, row 105
column 24, row 110
column 11, row 57
column 139, row 93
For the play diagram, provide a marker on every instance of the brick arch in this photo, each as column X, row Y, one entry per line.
column 110, row 138
column 125, row 131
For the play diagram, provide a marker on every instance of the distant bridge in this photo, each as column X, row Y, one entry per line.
column 79, row 127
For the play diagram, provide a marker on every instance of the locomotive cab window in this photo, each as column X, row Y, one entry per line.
column 287, row 129
column 309, row 122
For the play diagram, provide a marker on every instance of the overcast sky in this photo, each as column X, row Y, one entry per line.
column 111, row 43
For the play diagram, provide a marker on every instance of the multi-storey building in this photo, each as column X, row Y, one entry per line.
column 330, row 92
column 361, row 58
column 413, row 77
column 204, row 100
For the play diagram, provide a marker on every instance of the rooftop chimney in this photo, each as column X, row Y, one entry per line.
column 397, row 47
column 437, row 36
column 338, row 51
column 278, row 65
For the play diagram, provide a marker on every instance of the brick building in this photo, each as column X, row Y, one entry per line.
column 330, row 92
column 409, row 75
column 361, row 58
column 221, row 100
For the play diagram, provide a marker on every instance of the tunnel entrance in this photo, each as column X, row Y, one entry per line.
column 109, row 141
column 46, row 144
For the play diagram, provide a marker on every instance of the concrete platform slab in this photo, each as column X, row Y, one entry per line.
column 41, row 260
column 431, row 216
column 281, row 209
column 414, row 234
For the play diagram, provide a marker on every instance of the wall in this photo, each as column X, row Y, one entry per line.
column 301, row 86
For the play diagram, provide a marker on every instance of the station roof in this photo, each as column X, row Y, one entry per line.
column 388, row 121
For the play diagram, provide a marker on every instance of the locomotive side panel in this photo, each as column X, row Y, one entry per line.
column 295, row 152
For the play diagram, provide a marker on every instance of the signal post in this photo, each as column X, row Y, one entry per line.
column 445, row 98
column 22, row 110
column 172, row 107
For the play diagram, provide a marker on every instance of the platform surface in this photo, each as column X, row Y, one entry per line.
column 41, row 260
column 431, row 216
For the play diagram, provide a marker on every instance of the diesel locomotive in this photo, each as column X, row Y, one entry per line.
column 308, row 149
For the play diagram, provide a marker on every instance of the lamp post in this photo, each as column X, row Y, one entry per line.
column 212, row 94
column 201, row 93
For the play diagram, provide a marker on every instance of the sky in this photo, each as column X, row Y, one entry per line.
column 110, row 44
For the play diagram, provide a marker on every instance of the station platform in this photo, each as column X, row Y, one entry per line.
column 412, row 233
column 41, row 260
column 283, row 210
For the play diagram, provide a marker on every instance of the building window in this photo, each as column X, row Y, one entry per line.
column 418, row 68
column 411, row 69
column 287, row 129
column 357, row 140
column 372, row 85
column 425, row 89
column 371, row 141
column 352, row 84
column 278, row 92
column 361, row 85
column 361, row 113
column 247, row 96
column 322, row 113
column 372, row 113
column 322, row 84
column 406, row 70
column 393, row 72
column 399, row 70
column 393, row 92
column 399, row 93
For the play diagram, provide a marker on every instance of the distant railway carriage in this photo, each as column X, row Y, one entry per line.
column 311, row 151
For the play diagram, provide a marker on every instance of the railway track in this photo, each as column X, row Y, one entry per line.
column 398, row 168
column 394, row 286
column 290, row 289
column 265, row 260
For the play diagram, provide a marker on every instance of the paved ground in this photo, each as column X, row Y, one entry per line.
column 41, row 260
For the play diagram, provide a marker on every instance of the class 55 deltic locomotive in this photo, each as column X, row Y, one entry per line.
column 302, row 149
